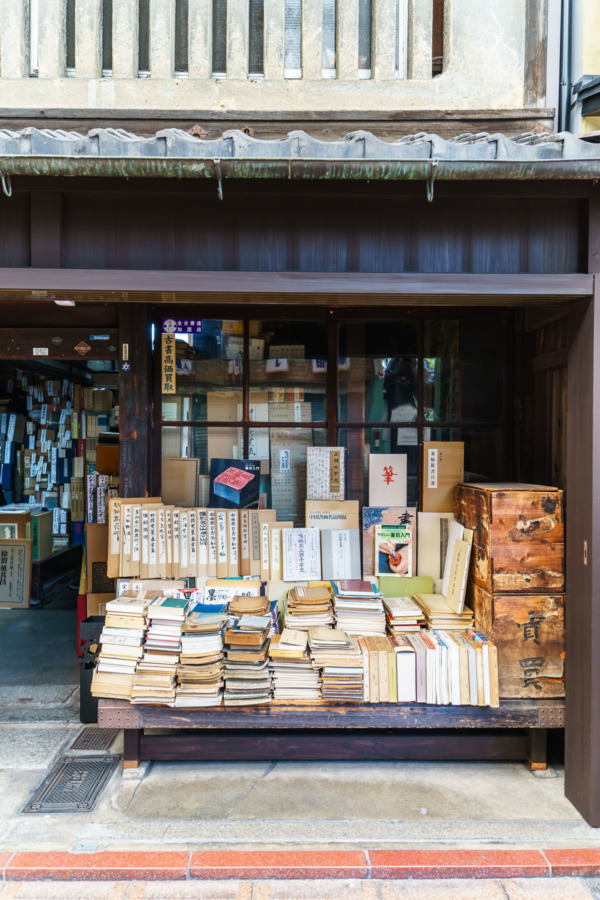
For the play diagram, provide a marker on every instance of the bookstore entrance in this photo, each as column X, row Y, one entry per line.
column 290, row 318
column 59, row 443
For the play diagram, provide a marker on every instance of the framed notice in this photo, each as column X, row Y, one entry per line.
column 15, row 574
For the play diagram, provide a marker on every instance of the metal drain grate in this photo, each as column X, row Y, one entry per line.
column 593, row 886
column 73, row 785
column 95, row 739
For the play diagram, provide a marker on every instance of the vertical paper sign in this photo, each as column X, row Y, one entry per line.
column 168, row 364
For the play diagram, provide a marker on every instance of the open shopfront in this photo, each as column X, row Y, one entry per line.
column 490, row 331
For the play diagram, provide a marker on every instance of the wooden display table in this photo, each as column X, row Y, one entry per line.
column 343, row 731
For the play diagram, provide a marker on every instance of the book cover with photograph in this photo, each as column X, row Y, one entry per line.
column 234, row 483
column 393, row 550
column 382, row 515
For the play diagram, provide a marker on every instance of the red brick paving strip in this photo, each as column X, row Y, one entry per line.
column 457, row 863
column 574, row 862
column 97, row 866
column 304, row 864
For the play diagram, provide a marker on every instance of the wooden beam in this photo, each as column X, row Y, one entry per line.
column 135, row 401
column 582, row 714
column 272, row 287
column 58, row 343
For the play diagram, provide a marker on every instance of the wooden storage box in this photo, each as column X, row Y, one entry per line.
column 518, row 542
column 529, row 632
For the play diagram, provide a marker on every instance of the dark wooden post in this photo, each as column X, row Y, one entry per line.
column 582, row 608
column 135, row 399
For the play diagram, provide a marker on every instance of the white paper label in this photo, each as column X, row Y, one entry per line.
column 277, row 365
column 40, row 351
column 432, row 468
column 284, row 462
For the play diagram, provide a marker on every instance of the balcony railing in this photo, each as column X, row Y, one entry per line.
column 237, row 40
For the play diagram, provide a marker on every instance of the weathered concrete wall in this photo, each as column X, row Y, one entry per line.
column 484, row 60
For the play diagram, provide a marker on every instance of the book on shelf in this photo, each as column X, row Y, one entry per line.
column 340, row 554
column 301, row 554
column 325, row 473
column 387, row 479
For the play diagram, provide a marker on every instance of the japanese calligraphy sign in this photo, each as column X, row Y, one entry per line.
column 169, row 377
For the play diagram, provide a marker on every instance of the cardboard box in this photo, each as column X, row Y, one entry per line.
column 443, row 469
column 96, row 603
column 180, row 482
column 96, row 556
column 107, row 459
column 15, row 524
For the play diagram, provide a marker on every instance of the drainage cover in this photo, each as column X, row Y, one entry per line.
column 73, row 785
column 95, row 739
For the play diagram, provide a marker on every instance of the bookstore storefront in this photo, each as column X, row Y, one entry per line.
column 273, row 317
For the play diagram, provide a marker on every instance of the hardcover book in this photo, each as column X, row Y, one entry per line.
column 393, row 550
column 387, row 479
column 377, row 515
column 234, row 483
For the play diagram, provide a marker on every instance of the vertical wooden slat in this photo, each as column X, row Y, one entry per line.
column 348, row 39
column 582, row 713
column 88, row 38
column 200, row 31
column 274, row 39
column 135, row 396
column 420, row 38
column 237, row 39
column 384, row 21
column 162, row 38
column 51, row 40
column 14, row 40
column 312, row 39
column 125, row 39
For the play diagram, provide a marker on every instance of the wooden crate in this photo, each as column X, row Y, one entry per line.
column 519, row 536
column 529, row 632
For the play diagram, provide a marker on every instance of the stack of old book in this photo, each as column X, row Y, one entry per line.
column 154, row 681
column 121, row 645
column 247, row 676
column 358, row 607
column 338, row 657
column 308, row 607
column 403, row 615
column 166, row 615
column 200, row 668
column 292, row 674
column 441, row 616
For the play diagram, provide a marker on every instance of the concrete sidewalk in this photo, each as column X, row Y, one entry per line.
column 460, row 889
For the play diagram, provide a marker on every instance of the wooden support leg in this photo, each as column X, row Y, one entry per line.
column 537, row 749
column 131, row 748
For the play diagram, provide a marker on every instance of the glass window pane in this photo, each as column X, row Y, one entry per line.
column 360, row 442
column 219, row 38
column 364, row 38
column 181, row 37
column 293, row 39
column 144, row 38
column 329, row 38
column 208, row 371
column 485, row 451
column 463, row 370
column 288, row 371
column 282, row 452
column 70, row 36
column 107, row 17
column 378, row 372
column 256, row 37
